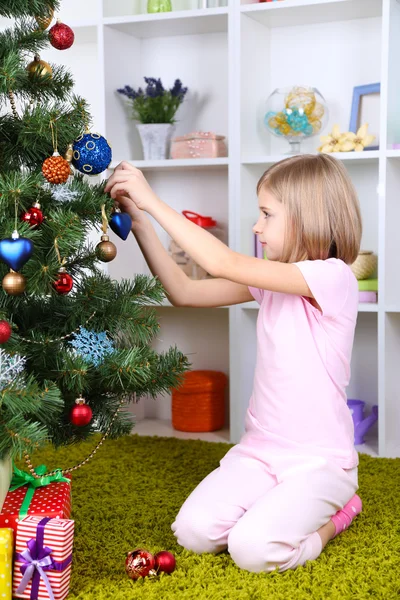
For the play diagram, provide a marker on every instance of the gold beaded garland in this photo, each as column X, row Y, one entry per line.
column 83, row 462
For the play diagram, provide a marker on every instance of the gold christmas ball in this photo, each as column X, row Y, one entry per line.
column 44, row 22
column 14, row 283
column 106, row 250
column 39, row 67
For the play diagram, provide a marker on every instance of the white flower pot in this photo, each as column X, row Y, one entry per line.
column 156, row 139
column 5, row 478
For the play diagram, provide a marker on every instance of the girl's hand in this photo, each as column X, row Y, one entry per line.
column 127, row 181
column 139, row 217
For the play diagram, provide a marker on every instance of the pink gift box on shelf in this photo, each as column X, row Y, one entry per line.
column 199, row 144
column 43, row 555
column 370, row 297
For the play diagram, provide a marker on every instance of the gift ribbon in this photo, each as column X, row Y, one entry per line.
column 21, row 478
column 36, row 561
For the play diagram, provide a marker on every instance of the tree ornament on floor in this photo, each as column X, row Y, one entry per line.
column 39, row 67
column 121, row 224
column 105, row 250
column 92, row 346
column 5, row 331
column 92, row 153
column 44, row 22
column 64, row 282
column 81, row 414
column 61, row 36
column 55, row 168
column 14, row 283
column 140, row 563
column 165, row 562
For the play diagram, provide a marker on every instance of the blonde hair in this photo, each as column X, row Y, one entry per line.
column 323, row 212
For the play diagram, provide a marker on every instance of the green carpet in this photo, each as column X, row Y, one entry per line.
column 129, row 494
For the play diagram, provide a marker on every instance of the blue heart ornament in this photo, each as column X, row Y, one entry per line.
column 121, row 224
column 16, row 252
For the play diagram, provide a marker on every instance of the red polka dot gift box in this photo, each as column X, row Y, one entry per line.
column 28, row 496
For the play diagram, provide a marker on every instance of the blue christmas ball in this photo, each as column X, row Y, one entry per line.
column 298, row 120
column 91, row 153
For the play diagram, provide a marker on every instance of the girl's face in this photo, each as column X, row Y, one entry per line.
column 270, row 227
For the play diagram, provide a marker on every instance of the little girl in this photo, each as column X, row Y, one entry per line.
column 289, row 486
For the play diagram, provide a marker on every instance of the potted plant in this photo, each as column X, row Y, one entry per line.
column 155, row 109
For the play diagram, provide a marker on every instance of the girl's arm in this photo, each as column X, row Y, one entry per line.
column 181, row 290
column 205, row 249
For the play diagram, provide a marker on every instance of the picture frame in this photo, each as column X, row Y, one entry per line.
column 365, row 109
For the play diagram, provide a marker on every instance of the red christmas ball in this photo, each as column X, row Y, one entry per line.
column 139, row 563
column 81, row 415
column 5, row 332
column 33, row 216
column 165, row 561
column 64, row 283
column 61, row 36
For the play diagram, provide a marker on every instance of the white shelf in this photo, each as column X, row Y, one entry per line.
column 185, row 22
column 362, row 307
column 189, row 163
column 368, row 307
column 358, row 157
column 393, row 308
column 393, row 153
column 167, row 304
column 164, row 428
column 306, row 12
column 243, row 53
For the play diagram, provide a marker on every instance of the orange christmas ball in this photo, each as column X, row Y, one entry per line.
column 56, row 169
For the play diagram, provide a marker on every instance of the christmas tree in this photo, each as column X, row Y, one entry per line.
column 70, row 357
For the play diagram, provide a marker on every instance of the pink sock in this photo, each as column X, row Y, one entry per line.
column 343, row 518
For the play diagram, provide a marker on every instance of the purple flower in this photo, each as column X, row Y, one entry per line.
column 178, row 90
column 128, row 91
column 155, row 104
column 154, row 87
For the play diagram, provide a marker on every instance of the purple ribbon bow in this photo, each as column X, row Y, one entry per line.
column 37, row 561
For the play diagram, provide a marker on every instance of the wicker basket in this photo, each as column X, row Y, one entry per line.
column 199, row 404
column 365, row 264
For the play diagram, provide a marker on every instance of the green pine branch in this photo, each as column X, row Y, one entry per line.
column 27, row 8
column 25, row 39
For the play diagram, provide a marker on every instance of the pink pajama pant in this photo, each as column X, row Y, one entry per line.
column 264, row 523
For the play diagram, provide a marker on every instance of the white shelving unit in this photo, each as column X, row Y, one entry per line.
column 232, row 58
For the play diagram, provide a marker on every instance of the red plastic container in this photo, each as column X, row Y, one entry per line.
column 199, row 404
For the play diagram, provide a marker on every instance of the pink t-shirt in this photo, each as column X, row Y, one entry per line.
column 298, row 405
